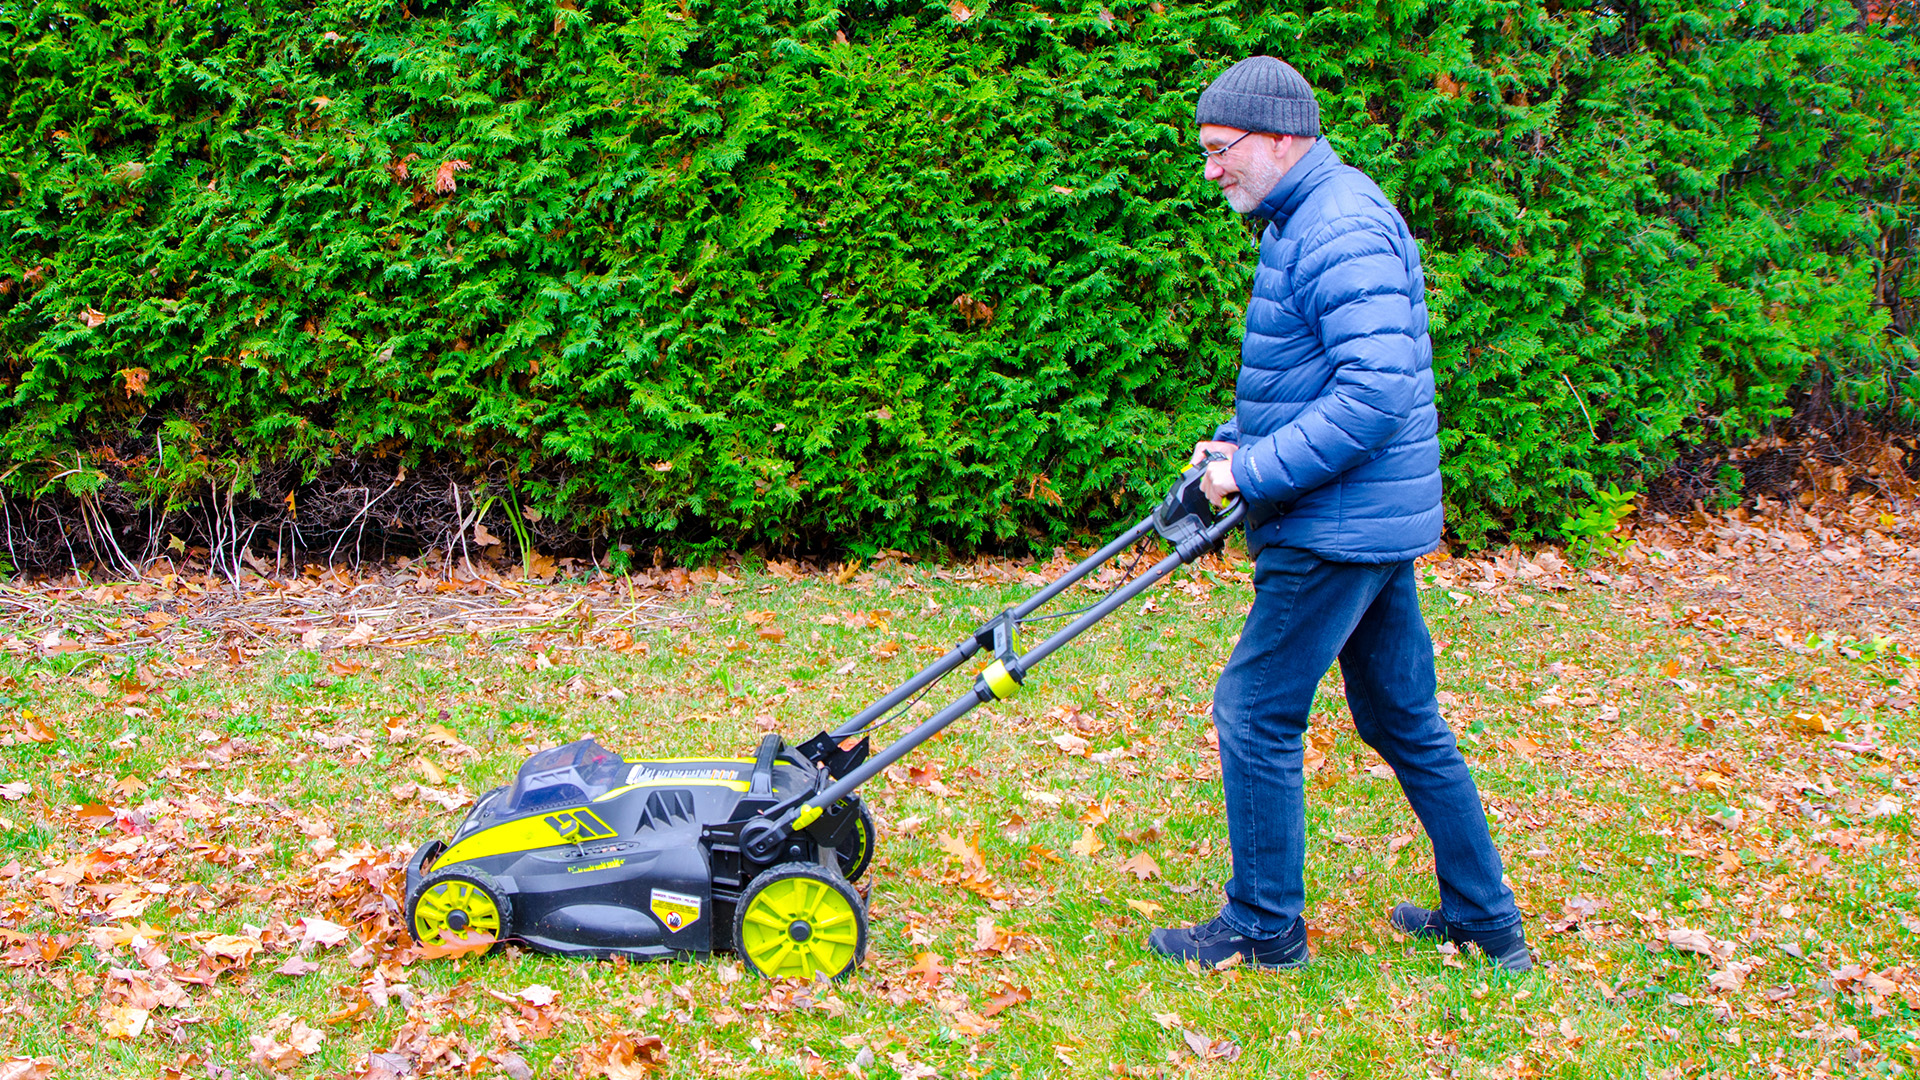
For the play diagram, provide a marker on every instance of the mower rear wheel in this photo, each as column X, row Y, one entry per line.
column 797, row 920
column 454, row 903
column 857, row 854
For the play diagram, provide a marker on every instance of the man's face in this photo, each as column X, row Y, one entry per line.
column 1250, row 167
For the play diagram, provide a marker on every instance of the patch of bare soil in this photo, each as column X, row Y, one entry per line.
column 197, row 615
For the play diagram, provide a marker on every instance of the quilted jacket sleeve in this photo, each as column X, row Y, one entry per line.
column 1355, row 293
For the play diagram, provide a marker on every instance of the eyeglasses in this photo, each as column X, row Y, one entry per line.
column 1206, row 155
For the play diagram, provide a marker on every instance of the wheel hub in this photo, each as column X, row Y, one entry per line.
column 457, row 921
column 800, row 930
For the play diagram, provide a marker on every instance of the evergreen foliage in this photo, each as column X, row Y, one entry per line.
column 905, row 275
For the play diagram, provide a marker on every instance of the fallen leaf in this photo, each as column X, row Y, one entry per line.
column 1730, row 978
column 1727, row 817
column 122, row 1022
column 469, row 944
column 1521, row 745
column 271, row 1054
column 1006, row 999
column 1874, row 982
column 927, row 965
column 1144, row 907
column 624, row 1056
column 232, row 947
column 967, row 851
column 1575, row 911
column 1810, row 723
column 36, row 730
column 1088, row 845
column 512, row 1064
column 1697, row 941
column 319, row 933
column 1141, row 866
column 1222, row 1049
column 304, row 1039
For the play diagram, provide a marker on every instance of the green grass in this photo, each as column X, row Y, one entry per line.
column 236, row 785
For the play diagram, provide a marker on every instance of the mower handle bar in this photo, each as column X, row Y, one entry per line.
column 965, row 650
column 983, row 691
column 1184, row 496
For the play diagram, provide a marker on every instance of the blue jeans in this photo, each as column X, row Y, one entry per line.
column 1307, row 612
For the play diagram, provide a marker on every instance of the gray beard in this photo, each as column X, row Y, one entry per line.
column 1262, row 177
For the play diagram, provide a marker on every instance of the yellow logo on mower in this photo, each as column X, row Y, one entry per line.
column 578, row 826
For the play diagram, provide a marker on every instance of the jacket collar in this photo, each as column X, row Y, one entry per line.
column 1313, row 167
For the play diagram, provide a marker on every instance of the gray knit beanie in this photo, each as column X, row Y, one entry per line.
column 1261, row 93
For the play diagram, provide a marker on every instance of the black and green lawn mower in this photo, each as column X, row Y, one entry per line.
column 589, row 854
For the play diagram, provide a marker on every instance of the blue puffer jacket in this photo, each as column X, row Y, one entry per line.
column 1333, row 413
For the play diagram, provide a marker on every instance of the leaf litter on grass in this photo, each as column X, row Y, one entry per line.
column 1698, row 760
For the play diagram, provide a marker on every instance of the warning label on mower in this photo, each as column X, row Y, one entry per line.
column 676, row 911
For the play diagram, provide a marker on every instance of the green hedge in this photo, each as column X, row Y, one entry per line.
column 906, row 276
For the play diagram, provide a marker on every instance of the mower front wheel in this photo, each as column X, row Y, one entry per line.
column 454, row 903
column 797, row 920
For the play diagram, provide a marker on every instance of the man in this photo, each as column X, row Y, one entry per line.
column 1333, row 448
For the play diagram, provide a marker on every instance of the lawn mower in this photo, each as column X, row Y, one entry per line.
column 587, row 853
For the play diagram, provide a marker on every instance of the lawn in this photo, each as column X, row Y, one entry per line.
column 1698, row 755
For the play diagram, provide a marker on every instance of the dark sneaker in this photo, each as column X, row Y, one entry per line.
column 1418, row 922
column 1213, row 942
column 1506, row 948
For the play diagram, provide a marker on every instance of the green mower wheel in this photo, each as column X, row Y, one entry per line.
column 455, row 902
column 797, row 920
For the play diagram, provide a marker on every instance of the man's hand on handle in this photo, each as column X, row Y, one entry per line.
column 1218, row 483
